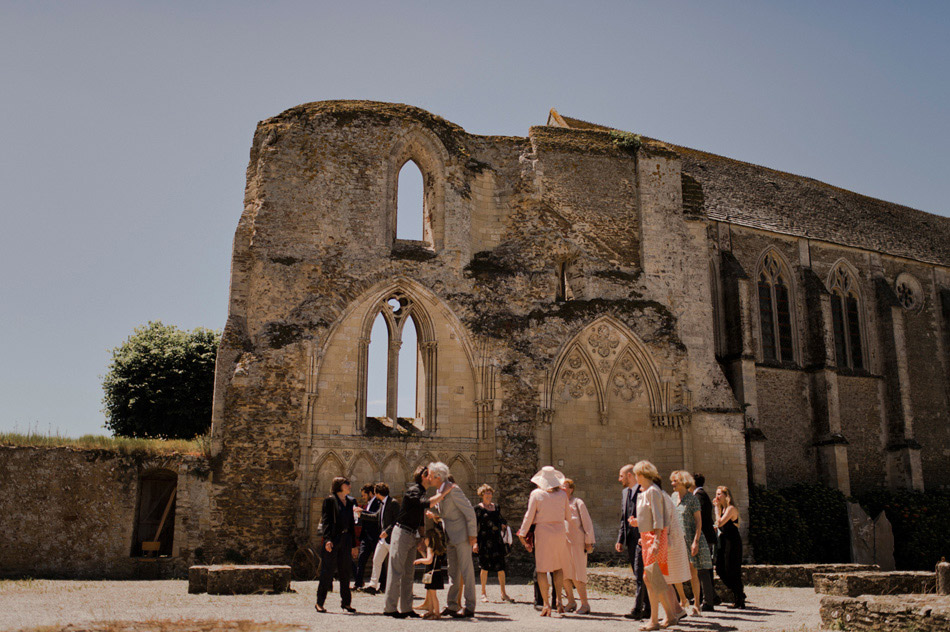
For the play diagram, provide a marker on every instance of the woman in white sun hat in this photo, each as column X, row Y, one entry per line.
column 548, row 511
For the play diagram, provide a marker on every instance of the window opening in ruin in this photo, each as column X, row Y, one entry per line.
column 775, row 312
column 377, row 369
column 409, row 366
column 396, row 369
column 410, row 203
column 155, row 523
column 846, row 319
column 564, row 291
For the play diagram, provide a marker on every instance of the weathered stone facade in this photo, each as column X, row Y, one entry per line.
column 578, row 302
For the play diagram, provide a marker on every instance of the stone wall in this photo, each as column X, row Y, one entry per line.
column 71, row 513
column 921, row 613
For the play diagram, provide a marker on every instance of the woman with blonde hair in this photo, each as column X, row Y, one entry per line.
column 580, row 532
column 688, row 511
column 729, row 554
column 548, row 511
column 490, row 545
column 659, row 537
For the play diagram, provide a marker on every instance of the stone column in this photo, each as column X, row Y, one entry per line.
column 392, row 379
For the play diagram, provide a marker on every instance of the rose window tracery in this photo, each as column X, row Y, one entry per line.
column 604, row 341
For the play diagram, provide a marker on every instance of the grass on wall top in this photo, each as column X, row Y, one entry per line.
column 121, row 445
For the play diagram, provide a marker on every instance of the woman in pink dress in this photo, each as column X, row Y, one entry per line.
column 548, row 511
column 580, row 533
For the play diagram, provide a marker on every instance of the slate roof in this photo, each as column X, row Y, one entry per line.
column 758, row 197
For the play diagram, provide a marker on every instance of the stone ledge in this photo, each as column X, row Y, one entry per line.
column 922, row 613
column 875, row 583
column 619, row 579
column 238, row 580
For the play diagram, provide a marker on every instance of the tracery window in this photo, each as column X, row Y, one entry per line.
column 397, row 366
column 775, row 310
column 909, row 292
column 846, row 318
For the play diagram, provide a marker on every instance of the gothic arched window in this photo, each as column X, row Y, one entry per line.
column 397, row 365
column 775, row 310
column 846, row 318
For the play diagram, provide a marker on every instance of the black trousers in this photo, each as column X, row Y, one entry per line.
column 336, row 562
column 642, row 601
column 367, row 548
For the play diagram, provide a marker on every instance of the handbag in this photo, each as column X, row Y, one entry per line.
column 427, row 578
column 653, row 577
column 529, row 537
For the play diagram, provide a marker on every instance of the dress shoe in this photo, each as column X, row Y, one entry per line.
column 708, row 607
column 369, row 590
column 394, row 615
column 349, row 609
column 634, row 614
column 411, row 615
column 448, row 612
column 319, row 608
column 465, row 614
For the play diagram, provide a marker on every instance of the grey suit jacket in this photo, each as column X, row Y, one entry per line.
column 458, row 517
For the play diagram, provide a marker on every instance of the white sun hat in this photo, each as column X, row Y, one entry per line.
column 548, row 478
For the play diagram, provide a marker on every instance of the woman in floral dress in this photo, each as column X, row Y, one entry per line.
column 688, row 511
column 491, row 547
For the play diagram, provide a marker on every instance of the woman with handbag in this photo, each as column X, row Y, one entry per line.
column 548, row 511
column 654, row 519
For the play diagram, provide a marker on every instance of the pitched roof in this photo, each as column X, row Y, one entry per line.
column 750, row 195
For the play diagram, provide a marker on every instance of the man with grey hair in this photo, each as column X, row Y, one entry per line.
column 461, row 531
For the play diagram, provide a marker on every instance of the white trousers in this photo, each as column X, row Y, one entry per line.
column 382, row 552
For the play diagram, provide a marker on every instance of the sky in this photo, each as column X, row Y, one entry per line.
column 125, row 129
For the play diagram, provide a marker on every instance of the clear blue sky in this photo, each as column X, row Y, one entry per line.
column 125, row 129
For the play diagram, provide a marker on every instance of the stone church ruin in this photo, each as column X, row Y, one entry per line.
column 580, row 297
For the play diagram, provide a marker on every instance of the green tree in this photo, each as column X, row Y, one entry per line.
column 160, row 383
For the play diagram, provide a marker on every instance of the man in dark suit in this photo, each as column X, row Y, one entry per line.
column 369, row 533
column 709, row 532
column 385, row 518
column 337, row 529
column 630, row 537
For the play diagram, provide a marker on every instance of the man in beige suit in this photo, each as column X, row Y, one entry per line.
column 461, row 531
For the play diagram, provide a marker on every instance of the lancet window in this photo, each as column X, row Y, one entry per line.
column 775, row 310
column 846, row 318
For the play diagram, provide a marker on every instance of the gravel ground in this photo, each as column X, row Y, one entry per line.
column 75, row 605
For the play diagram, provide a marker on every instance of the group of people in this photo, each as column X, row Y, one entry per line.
column 670, row 540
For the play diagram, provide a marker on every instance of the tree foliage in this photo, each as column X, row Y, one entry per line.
column 160, row 383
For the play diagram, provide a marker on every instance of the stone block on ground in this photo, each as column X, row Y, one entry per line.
column 238, row 580
column 922, row 613
column 198, row 579
column 876, row 583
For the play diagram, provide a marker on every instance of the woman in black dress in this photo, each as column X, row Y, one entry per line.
column 491, row 547
column 729, row 555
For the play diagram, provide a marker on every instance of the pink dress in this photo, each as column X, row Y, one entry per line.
column 580, row 533
column 549, row 513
